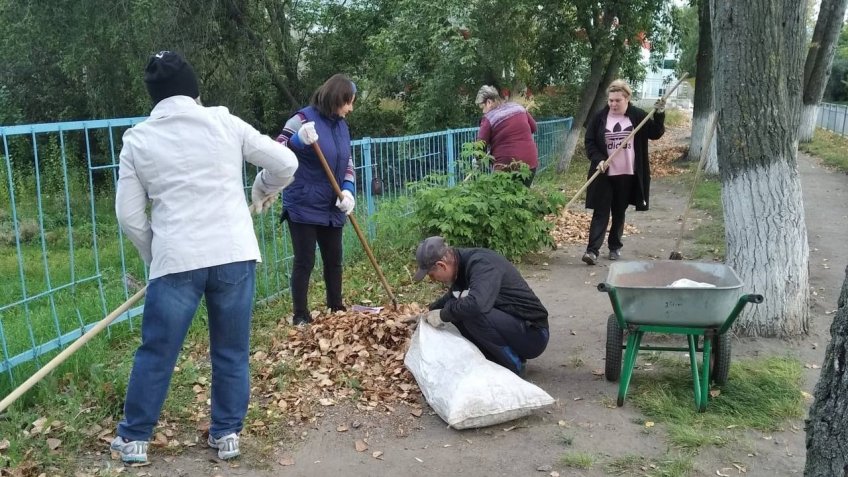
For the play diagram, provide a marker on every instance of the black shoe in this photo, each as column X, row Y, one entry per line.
column 614, row 255
column 336, row 308
column 301, row 320
column 590, row 258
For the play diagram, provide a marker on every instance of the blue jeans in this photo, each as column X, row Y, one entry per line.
column 169, row 308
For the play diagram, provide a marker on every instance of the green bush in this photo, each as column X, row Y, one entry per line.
column 487, row 210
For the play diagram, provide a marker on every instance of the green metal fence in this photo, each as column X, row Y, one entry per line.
column 64, row 263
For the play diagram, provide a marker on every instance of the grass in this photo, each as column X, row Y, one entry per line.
column 709, row 236
column 577, row 460
column 830, row 147
column 675, row 118
column 666, row 466
column 761, row 394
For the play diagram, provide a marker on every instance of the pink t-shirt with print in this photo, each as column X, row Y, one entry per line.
column 618, row 128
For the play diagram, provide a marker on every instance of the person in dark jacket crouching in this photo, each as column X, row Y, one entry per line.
column 488, row 301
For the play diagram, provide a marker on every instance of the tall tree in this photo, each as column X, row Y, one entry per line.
column 758, row 79
column 704, row 96
column 827, row 424
column 819, row 60
column 609, row 26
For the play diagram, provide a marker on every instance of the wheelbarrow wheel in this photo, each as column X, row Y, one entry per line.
column 615, row 339
column 720, row 359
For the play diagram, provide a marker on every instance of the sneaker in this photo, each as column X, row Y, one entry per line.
column 227, row 446
column 590, row 258
column 132, row 452
column 301, row 320
column 614, row 255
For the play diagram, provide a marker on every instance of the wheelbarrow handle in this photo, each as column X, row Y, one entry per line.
column 603, row 287
column 755, row 298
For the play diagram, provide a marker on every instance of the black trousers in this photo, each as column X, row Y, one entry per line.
column 504, row 339
column 329, row 240
column 612, row 198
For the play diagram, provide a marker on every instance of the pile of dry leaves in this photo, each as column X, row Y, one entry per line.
column 573, row 227
column 665, row 160
column 344, row 356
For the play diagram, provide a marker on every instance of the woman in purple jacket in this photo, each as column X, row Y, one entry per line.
column 507, row 129
column 314, row 213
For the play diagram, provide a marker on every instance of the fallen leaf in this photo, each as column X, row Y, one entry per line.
column 562, row 424
column 361, row 446
column 715, row 393
column 286, row 461
column 416, row 412
column 578, row 399
column 326, row 402
column 649, row 423
column 377, row 455
column 740, row 468
column 720, row 474
column 598, row 372
column 342, row 428
column 419, row 460
column 507, row 429
column 53, row 444
column 4, row 444
column 554, row 474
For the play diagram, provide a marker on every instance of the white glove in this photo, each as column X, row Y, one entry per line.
column 307, row 133
column 659, row 106
column 347, row 203
column 434, row 318
column 259, row 201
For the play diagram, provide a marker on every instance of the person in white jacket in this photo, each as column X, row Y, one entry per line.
column 185, row 162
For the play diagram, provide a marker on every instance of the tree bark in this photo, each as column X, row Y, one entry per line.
column 758, row 97
column 819, row 60
column 611, row 73
column 827, row 424
column 703, row 107
column 590, row 89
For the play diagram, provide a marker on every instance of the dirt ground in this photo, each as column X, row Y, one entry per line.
column 424, row 446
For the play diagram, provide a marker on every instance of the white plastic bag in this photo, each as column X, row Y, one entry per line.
column 464, row 388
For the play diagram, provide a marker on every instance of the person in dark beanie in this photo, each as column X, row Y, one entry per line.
column 186, row 162
column 489, row 302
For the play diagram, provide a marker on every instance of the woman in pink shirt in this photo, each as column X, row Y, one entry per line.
column 507, row 129
column 627, row 178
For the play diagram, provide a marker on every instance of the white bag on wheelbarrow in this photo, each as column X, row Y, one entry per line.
column 464, row 388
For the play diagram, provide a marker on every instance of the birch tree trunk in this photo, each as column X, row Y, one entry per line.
column 827, row 424
column 704, row 96
column 758, row 79
column 819, row 60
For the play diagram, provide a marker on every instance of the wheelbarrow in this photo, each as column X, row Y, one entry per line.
column 643, row 302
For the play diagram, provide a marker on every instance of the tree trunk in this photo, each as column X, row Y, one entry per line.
column 611, row 73
column 704, row 106
column 758, row 98
column 827, row 424
column 819, row 60
column 590, row 89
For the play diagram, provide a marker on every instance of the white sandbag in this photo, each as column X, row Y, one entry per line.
column 687, row 283
column 464, row 388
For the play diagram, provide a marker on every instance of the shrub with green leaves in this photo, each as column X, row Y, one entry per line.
column 492, row 210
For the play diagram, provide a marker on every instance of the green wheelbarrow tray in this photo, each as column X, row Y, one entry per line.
column 644, row 302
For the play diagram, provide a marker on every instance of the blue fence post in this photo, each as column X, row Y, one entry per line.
column 449, row 145
column 369, row 194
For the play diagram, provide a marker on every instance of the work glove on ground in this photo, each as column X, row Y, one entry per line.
column 434, row 318
column 659, row 106
column 346, row 203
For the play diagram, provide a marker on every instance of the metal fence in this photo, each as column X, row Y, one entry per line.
column 833, row 117
column 64, row 263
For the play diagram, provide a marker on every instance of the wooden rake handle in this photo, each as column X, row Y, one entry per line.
column 355, row 225
column 626, row 140
column 67, row 352
column 705, row 149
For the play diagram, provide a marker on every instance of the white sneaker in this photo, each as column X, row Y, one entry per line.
column 228, row 446
column 132, row 452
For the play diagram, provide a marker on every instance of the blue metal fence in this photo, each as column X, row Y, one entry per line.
column 64, row 263
column 833, row 117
